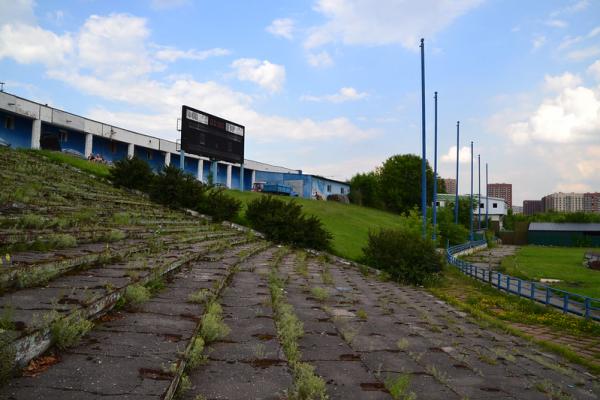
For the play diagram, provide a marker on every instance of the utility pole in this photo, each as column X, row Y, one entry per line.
column 423, row 160
column 457, row 161
column 479, row 195
column 435, row 97
column 486, row 197
column 471, row 203
column 1, row 86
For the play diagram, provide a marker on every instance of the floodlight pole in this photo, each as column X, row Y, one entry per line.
column 423, row 160
column 181, row 159
column 471, row 205
column 479, row 195
column 486, row 197
column 242, row 176
column 457, row 161
column 434, row 211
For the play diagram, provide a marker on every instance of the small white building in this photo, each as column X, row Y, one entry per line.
column 496, row 211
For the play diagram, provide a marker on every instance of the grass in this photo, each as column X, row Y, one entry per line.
column 564, row 263
column 348, row 223
column 213, row 328
column 136, row 295
column 67, row 331
column 398, row 387
column 319, row 293
column 494, row 309
column 97, row 169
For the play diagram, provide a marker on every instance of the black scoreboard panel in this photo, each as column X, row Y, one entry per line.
column 207, row 135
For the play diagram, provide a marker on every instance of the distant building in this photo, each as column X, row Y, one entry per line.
column 564, row 234
column 563, row 202
column 531, row 207
column 502, row 190
column 497, row 206
column 591, row 202
column 517, row 209
column 450, row 184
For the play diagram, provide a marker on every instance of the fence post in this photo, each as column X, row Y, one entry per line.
column 547, row 295
column 532, row 287
column 519, row 286
column 499, row 277
column 508, row 283
column 566, row 303
column 587, row 307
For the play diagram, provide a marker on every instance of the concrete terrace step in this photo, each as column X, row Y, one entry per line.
column 91, row 292
column 137, row 353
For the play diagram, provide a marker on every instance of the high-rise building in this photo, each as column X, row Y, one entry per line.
column 563, row 202
column 502, row 190
column 450, row 185
column 531, row 207
column 591, row 202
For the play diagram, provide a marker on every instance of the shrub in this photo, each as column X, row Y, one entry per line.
column 219, row 205
column 406, row 256
column 177, row 189
column 67, row 331
column 132, row 173
column 319, row 293
column 136, row 295
column 213, row 328
column 283, row 221
column 307, row 384
column 196, row 357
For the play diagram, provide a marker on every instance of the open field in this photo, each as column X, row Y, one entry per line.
column 564, row 263
column 176, row 305
column 349, row 224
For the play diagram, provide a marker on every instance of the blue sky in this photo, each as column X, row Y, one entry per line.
column 331, row 86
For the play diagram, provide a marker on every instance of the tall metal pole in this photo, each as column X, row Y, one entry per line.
column 486, row 197
column 479, row 195
column 457, row 161
column 435, row 167
column 423, row 160
column 471, row 205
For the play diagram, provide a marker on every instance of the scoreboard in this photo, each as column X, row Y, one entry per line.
column 207, row 135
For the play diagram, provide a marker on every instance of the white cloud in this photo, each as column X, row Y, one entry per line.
column 28, row 44
column 569, row 41
column 556, row 23
column 464, row 156
column 360, row 22
column 572, row 116
column 561, row 82
column 538, row 41
column 264, row 73
column 171, row 54
column 584, row 54
column 594, row 70
column 343, row 95
column 16, row 12
column 283, row 27
column 320, row 60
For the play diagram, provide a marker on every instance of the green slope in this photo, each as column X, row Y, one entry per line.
column 349, row 224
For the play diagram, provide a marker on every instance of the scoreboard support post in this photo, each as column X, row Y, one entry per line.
column 215, row 170
column 182, row 160
column 242, row 177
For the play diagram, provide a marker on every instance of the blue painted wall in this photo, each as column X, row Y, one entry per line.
column 206, row 171
column 20, row 135
column 191, row 166
column 156, row 159
column 235, row 177
column 221, row 174
column 247, row 179
column 111, row 150
column 72, row 140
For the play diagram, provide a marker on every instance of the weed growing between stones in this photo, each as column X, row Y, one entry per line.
column 302, row 264
column 184, row 385
column 362, row 314
column 200, row 296
column 67, row 331
column 7, row 354
column 553, row 392
column 113, row 235
column 398, row 387
column 319, row 293
column 136, row 295
column 34, row 276
column 402, row 344
column 7, row 318
column 326, row 276
column 440, row 376
column 307, row 385
column 196, row 358
column 213, row 328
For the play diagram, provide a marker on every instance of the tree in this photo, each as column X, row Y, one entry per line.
column 463, row 210
column 364, row 190
column 400, row 182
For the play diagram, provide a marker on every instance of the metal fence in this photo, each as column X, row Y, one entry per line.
column 568, row 302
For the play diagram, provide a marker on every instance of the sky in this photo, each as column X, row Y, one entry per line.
column 332, row 87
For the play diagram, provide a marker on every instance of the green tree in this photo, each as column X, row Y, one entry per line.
column 364, row 190
column 400, row 182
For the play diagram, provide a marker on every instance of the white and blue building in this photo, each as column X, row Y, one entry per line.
column 28, row 124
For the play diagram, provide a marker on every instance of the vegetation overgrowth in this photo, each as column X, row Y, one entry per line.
column 563, row 263
column 574, row 217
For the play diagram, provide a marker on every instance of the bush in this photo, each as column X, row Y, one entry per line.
column 219, row 205
column 340, row 198
column 177, row 189
column 67, row 331
column 283, row 221
column 132, row 173
column 406, row 256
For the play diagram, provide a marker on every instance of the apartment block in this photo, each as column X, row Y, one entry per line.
column 502, row 190
column 563, row 202
column 531, row 207
column 450, row 185
column 591, row 202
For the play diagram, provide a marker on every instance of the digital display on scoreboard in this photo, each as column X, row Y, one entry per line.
column 207, row 135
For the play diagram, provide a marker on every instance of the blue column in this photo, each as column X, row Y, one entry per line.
column 486, row 197
column 479, row 195
column 423, row 156
column 471, row 202
column 434, row 211
column 242, row 177
column 182, row 160
column 457, row 161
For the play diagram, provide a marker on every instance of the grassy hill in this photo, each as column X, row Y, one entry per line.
column 349, row 224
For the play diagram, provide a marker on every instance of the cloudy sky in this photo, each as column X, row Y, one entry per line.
column 331, row 86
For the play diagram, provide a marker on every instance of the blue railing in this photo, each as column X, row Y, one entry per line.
column 568, row 302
